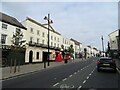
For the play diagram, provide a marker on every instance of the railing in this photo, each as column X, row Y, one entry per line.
column 42, row 45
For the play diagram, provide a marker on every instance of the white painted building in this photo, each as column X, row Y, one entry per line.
column 77, row 47
column 36, row 36
column 113, row 40
column 113, row 43
column 8, row 26
column 37, row 39
column 67, row 42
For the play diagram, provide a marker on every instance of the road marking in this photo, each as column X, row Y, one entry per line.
column 118, row 70
column 70, row 76
column 90, row 74
column 64, row 79
column 75, row 73
column 84, row 81
column 81, row 69
column 79, row 87
column 55, row 84
column 78, row 71
column 87, row 77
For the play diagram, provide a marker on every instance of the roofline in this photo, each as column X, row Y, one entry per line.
column 14, row 24
column 40, row 25
column 113, row 32
column 9, row 22
column 75, row 41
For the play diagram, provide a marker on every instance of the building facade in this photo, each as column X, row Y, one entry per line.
column 37, row 39
column 113, row 43
column 8, row 26
column 77, row 48
column 36, row 36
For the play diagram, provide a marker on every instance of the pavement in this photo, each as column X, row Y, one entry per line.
column 29, row 68
column 118, row 63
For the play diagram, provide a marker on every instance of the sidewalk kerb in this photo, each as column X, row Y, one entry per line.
column 35, row 71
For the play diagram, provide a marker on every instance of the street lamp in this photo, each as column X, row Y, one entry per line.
column 49, row 22
column 102, row 44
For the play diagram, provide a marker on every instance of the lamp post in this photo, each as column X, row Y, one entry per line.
column 49, row 22
column 119, row 43
column 102, row 44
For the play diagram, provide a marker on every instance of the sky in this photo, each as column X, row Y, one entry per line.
column 85, row 22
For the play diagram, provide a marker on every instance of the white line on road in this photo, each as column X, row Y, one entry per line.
column 90, row 74
column 87, row 77
column 55, row 84
column 118, row 70
column 84, row 81
column 64, row 79
column 92, row 71
column 75, row 73
column 78, row 71
column 79, row 87
column 70, row 76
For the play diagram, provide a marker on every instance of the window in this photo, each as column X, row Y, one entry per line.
column 55, row 38
column 4, row 26
column 43, row 34
column 37, row 55
column 63, row 40
column 51, row 37
column 51, row 43
column 3, row 38
column 58, row 39
column 37, row 40
column 31, row 30
column 31, row 39
column 55, row 44
column 18, row 30
column 42, row 41
column 38, row 32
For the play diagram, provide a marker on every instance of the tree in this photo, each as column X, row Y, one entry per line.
column 85, row 53
column 17, row 44
column 71, row 51
column 63, row 52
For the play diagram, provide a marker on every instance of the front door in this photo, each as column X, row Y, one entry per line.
column 30, row 56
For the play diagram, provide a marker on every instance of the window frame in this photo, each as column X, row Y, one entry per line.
column 4, row 26
column 3, row 38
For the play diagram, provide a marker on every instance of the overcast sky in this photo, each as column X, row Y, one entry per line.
column 83, row 21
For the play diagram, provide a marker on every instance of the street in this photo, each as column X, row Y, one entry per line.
column 82, row 74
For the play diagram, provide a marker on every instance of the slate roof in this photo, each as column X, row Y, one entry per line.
column 10, row 20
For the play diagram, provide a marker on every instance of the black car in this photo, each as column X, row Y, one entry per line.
column 106, row 63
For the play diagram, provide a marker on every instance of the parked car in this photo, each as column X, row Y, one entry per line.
column 106, row 63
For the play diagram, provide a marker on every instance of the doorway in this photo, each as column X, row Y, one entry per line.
column 30, row 56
